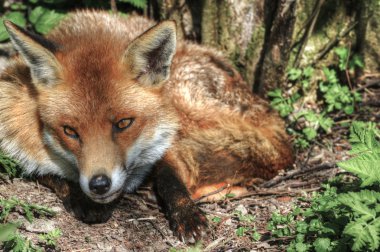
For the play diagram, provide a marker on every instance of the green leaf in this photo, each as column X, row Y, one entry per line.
column 357, row 202
column 241, row 231
column 44, row 19
column 16, row 17
column 256, row 236
column 294, row 74
column 308, row 71
column 310, row 133
column 275, row 93
column 349, row 109
column 322, row 244
column 216, row 219
column 7, row 231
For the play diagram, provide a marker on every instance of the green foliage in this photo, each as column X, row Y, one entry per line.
column 44, row 19
column 9, row 205
column 282, row 104
column 16, row 17
column 50, row 239
column 365, row 147
column 314, row 96
column 340, row 218
column 7, row 230
column 336, row 96
column 8, row 166
column 345, row 63
column 18, row 243
column 44, row 15
column 246, row 226
column 10, row 239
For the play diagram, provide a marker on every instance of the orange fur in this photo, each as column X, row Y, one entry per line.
column 217, row 130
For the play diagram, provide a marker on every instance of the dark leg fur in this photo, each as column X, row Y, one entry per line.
column 74, row 199
column 186, row 220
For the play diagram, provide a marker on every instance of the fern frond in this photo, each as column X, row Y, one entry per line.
column 366, row 163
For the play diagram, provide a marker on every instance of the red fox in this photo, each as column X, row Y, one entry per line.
column 103, row 101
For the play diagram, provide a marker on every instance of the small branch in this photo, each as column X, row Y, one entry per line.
column 375, row 82
column 275, row 193
column 212, row 193
column 291, row 174
column 143, row 219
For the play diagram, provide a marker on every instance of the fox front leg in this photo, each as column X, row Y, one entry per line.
column 186, row 220
column 73, row 198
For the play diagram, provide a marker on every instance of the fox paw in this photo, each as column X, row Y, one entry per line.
column 188, row 224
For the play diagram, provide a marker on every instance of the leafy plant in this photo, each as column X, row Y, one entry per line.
column 246, row 227
column 44, row 15
column 50, row 239
column 345, row 218
column 10, row 239
column 314, row 95
column 336, row 96
column 8, row 205
column 8, row 166
column 281, row 103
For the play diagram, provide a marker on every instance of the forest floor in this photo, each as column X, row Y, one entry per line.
column 137, row 225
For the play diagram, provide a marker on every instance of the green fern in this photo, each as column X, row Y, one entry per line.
column 366, row 162
column 345, row 217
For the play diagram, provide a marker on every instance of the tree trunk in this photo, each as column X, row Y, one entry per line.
column 265, row 38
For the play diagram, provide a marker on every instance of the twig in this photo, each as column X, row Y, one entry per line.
column 291, row 174
column 143, row 219
column 274, row 192
column 217, row 242
column 369, row 84
column 157, row 228
column 212, row 193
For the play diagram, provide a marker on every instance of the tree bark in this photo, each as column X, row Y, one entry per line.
column 265, row 38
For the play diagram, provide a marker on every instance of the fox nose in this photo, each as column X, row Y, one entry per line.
column 100, row 184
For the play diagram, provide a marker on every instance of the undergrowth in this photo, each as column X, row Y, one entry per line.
column 43, row 15
column 345, row 215
column 315, row 96
column 10, row 237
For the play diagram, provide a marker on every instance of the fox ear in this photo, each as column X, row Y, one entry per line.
column 37, row 52
column 149, row 56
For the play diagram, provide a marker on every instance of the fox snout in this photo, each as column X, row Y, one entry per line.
column 100, row 184
column 101, row 187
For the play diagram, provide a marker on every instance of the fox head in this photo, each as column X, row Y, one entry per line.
column 99, row 103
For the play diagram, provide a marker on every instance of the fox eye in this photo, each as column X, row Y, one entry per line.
column 70, row 132
column 124, row 123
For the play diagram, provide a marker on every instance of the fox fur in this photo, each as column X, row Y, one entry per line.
column 189, row 108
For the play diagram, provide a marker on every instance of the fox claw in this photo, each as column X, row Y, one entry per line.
column 188, row 224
